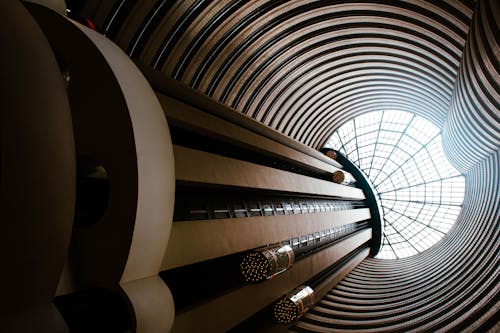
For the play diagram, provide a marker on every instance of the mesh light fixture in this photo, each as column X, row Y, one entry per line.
column 293, row 306
column 265, row 263
column 338, row 177
column 421, row 193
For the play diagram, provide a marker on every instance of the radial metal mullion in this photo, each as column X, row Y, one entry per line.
column 403, row 236
column 376, row 144
column 403, row 133
column 342, row 144
column 424, row 183
column 356, row 136
column 415, row 220
column 390, row 246
column 428, row 203
column 420, row 149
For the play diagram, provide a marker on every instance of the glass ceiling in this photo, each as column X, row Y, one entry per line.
column 420, row 191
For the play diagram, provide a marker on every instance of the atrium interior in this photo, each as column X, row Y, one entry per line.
column 250, row 166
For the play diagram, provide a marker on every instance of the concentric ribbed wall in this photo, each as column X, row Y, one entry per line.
column 304, row 68
column 476, row 100
column 451, row 287
column 300, row 67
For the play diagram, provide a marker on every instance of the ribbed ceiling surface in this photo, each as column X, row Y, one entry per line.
column 307, row 67
column 301, row 67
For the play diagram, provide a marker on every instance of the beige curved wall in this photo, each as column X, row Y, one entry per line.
column 118, row 122
column 37, row 170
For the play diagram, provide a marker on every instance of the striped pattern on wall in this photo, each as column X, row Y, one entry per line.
column 301, row 67
column 475, row 107
column 450, row 287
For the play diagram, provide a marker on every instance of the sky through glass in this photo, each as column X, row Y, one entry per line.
column 420, row 191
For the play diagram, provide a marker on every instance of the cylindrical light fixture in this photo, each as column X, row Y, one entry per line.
column 344, row 178
column 266, row 263
column 294, row 305
column 338, row 177
column 329, row 152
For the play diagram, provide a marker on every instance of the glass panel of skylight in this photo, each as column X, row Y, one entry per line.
column 420, row 191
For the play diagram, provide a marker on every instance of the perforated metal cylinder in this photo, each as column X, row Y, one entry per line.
column 338, row 177
column 266, row 263
column 293, row 306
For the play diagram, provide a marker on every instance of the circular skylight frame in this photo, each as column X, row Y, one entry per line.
column 420, row 192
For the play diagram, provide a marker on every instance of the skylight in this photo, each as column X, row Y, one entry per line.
column 420, row 191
